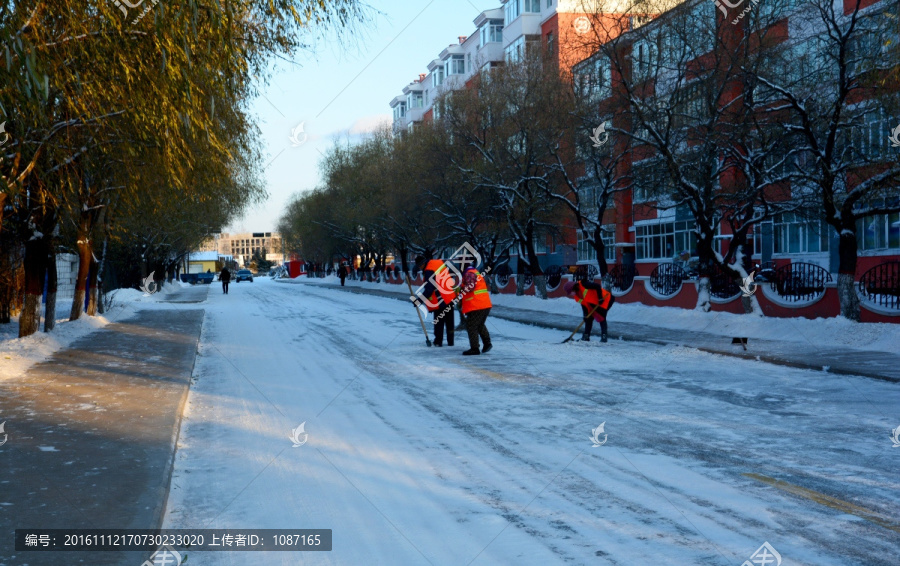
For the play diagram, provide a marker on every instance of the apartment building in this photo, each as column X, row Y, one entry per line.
column 500, row 34
column 643, row 232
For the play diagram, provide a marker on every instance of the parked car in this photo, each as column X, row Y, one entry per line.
column 243, row 275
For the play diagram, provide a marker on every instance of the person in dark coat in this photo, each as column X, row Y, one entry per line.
column 225, row 278
column 593, row 298
column 342, row 273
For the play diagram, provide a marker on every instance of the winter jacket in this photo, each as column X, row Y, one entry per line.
column 475, row 294
column 590, row 295
column 443, row 278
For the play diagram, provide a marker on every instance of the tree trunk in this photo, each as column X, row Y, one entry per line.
column 600, row 248
column 100, row 308
column 35, row 268
column 703, row 300
column 84, row 268
column 540, row 286
column 52, row 285
column 94, row 287
column 9, row 273
column 846, row 284
column 705, row 268
column 741, row 268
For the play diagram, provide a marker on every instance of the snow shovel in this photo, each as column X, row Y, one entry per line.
column 583, row 320
column 418, row 312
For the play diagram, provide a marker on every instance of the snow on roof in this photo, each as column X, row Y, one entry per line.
column 203, row 256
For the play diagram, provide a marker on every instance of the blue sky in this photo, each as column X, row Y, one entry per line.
column 342, row 90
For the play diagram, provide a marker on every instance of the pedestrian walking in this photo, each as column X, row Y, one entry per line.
column 595, row 303
column 225, row 278
column 342, row 273
column 442, row 297
column 476, row 306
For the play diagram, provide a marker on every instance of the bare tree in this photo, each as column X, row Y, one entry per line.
column 678, row 85
column 504, row 120
column 828, row 88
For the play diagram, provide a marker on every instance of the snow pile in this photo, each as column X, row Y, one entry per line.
column 821, row 332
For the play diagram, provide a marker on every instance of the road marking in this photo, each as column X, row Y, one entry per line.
column 829, row 501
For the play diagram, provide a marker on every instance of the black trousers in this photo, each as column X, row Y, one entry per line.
column 475, row 326
column 589, row 321
column 443, row 322
column 225, row 287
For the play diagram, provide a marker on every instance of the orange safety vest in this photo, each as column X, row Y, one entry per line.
column 439, row 267
column 478, row 298
column 589, row 297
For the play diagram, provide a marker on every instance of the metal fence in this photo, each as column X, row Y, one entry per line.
column 621, row 277
column 722, row 284
column 800, row 281
column 666, row 278
column 881, row 285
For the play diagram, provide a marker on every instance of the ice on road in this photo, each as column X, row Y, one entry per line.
column 418, row 455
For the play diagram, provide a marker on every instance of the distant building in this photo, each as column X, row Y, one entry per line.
column 242, row 246
column 210, row 245
column 201, row 262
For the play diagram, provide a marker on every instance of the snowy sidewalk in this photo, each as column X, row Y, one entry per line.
column 92, row 431
column 805, row 355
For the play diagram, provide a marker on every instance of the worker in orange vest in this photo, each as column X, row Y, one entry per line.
column 439, row 292
column 592, row 297
column 476, row 305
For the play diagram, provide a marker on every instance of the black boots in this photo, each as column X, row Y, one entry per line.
column 471, row 352
column 487, row 348
column 586, row 338
column 603, row 338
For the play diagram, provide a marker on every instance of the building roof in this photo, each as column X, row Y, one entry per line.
column 203, row 256
column 494, row 14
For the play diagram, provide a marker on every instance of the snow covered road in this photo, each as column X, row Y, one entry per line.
column 417, row 455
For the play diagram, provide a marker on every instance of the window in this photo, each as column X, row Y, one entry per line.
column 468, row 62
column 414, row 100
column 437, row 77
column 690, row 105
column 491, row 32
column 593, row 80
column 516, row 49
column 870, row 138
column 550, row 41
column 456, row 65
column 513, row 10
column 645, row 59
column 586, row 251
column 496, row 35
column 651, row 180
column 665, row 240
column 532, row 6
column 549, row 3
column 794, row 234
column 878, row 232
